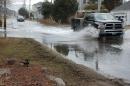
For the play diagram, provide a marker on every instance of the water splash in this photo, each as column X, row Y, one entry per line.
column 89, row 31
column 86, row 33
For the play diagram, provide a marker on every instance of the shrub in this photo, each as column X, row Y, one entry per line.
column 46, row 9
column 63, row 9
column 23, row 12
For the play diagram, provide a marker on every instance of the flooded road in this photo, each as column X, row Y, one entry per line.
column 108, row 55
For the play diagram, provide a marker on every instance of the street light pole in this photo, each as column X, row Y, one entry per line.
column 5, row 12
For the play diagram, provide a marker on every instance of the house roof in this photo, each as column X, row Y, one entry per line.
column 38, row 4
column 125, row 6
column 9, row 12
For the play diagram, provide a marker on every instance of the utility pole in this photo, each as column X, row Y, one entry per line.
column 29, row 9
column 5, row 15
column 99, row 5
column 80, row 4
column 24, row 4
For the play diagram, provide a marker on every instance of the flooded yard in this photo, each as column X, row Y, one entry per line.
column 106, row 55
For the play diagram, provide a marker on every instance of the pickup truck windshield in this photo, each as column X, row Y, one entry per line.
column 104, row 17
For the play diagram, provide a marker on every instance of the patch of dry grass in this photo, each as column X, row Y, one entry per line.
column 48, row 22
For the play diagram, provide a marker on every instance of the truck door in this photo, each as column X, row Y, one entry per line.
column 89, row 20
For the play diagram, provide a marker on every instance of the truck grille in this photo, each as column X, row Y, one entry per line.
column 118, row 26
column 109, row 26
column 113, row 26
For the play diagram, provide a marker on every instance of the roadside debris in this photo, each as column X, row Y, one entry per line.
column 14, row 74
column 25, row 63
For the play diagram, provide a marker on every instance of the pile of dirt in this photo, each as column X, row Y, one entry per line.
column 19, row 75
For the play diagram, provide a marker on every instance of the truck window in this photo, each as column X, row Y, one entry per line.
column 89, row 17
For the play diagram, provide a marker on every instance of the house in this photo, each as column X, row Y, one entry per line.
column 9, row 13
column 82, row 4
column 36, row 8
column 122, row 12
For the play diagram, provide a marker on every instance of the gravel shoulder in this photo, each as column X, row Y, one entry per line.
column 55, row 63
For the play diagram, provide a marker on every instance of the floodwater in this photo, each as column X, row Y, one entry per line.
column 108, row 55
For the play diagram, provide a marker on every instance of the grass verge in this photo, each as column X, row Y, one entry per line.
column 73, row 74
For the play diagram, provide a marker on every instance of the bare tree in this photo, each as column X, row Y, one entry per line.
column 7, row 1
column 3, row 7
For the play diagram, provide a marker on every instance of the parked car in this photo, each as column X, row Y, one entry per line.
column 20, row 19
column 105, row 22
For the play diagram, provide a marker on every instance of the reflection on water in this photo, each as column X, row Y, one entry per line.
column 88, row 48
column 63, row 49
column 105, row 44
column 103, row 55
column 111, row 40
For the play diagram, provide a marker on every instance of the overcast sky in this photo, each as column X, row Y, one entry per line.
column 32, row 1
column 27, row 1
column 18, row 3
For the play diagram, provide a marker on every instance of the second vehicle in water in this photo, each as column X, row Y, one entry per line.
column 20, row 19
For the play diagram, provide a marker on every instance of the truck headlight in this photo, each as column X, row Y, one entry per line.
column 101, row 25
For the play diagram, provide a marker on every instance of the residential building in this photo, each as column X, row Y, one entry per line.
column 36, row 8
column 8, row 11
column 82, row 4
column 123, row 12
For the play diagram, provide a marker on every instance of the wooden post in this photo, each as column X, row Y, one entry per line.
column 99, row 6
column 5, row 15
